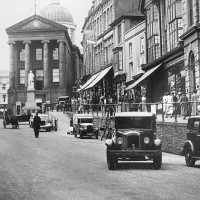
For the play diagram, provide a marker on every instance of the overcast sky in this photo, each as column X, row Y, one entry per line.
column 14, row 11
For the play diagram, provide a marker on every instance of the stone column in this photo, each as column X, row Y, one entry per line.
column 62, row 76
column 12, row 65
column 27, row 60
column 46, row 63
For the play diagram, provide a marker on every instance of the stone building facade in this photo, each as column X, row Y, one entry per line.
column 4, row 86
column 45, row 46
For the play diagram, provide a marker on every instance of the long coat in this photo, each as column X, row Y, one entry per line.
column 184, row 105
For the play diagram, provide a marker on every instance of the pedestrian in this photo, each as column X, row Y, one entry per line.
column 194, row 102
column 169, row 105
column 184, row 105
column 36, row 125
column 165, row 104
column 144, row 106
column 175, row 106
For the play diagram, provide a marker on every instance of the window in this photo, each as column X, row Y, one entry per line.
column 21, row 76
column 38, row 54
column 130, row 50
column 120, row 60
column 39, row 74
column 22, row 55
column 4, row 98
column 142, row 45
column 56, row 75
column 3, row 87
column 55, row 54
column 131, row 69
column 153, row 33
column 119, row 34
column 191, row 15
column 115, row 62
column 175, row 22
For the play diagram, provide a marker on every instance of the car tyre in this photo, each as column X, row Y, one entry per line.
column 157, row 162
column 111, row 162
column 190, row 162
column 81, row 135
column 96, row 135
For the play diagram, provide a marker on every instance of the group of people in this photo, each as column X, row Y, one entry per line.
column 180, row 104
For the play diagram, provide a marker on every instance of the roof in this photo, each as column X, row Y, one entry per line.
column 57, row 13
column 134, row 114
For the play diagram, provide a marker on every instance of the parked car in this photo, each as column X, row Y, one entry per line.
column 23, row 118
column 83, row 126
column 133, row 138
column 191, row 148
column 45, row 123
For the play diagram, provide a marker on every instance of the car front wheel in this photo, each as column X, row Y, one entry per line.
column 190, row 162
column 157, row 162
column 111, row 162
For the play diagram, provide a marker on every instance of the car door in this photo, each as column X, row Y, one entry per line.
column 196, row 137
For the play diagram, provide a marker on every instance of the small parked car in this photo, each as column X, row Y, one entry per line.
column 191, row 148
column 45, row 123
column 133, row 138
column 83, row 126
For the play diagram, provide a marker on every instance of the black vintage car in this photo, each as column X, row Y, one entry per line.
column 191, row 148
column 134, row 139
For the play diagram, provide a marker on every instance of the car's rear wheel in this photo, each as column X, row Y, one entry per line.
column 190, row 162
column 157, row 162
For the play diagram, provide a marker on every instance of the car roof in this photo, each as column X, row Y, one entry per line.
column 134, row 114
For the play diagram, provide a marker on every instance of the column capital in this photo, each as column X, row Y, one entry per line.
column 60, row 41
column 11, row 42
column 45, row 41
column 26, row 42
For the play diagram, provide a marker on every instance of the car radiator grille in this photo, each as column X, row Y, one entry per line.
column 133, row 140
column 90, row 129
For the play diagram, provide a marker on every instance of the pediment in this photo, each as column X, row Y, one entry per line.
column 36, row 23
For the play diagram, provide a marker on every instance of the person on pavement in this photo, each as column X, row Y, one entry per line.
column 184, row 105
column 36, row 125
column 194, row 102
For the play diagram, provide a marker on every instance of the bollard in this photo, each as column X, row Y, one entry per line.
column 56, row 124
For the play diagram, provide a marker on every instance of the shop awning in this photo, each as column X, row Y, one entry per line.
column 144, row 76
column 101, row 75
column 89, row 81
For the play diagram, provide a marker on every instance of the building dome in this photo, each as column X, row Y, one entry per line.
column 56, row 12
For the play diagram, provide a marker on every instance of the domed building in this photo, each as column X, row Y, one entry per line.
column 58, row 13
column 44, row 45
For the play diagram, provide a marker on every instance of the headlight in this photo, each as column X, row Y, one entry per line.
column 119, row 140
column 146, row 140
column 157, row 142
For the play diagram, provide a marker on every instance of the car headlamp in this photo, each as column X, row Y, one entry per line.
column 119, row 140
column 146, row 140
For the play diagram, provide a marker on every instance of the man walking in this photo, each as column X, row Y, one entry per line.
column 36, row 125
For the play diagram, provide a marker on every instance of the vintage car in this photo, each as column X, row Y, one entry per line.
column 133, row 138
column 191, row 148
column 83, row 126
column 45, row 123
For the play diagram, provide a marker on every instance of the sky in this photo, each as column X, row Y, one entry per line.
column 14, row 11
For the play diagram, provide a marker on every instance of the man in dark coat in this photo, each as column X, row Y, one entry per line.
column 36, row 125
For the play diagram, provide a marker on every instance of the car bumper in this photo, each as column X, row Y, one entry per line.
column 46, row 127
column 131, row 153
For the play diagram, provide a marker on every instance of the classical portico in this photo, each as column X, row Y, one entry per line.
column 40, row 45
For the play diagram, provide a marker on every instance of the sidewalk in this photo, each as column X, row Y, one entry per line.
column 63, row 122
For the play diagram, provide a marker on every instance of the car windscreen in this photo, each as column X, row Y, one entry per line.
column 85, row 120
column 133, row 122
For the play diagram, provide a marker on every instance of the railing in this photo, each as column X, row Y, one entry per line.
column 174, row 111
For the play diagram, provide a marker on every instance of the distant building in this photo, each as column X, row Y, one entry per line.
column 4, row 86
column 44, row 44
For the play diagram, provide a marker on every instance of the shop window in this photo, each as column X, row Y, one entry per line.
column 56, row 75
column 22, row 77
